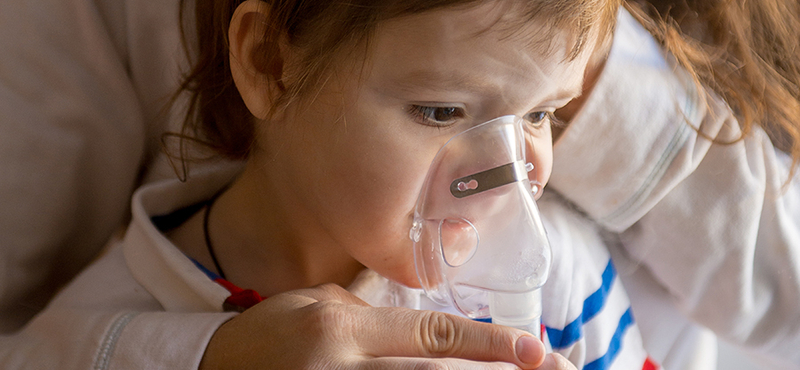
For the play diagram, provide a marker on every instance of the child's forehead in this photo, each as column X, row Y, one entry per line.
column 543, row 28
column 448, row 54
column 436, row 36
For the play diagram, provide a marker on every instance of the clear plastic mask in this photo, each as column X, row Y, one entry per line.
column 479, row 243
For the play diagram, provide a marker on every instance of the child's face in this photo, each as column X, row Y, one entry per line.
column 355, row 159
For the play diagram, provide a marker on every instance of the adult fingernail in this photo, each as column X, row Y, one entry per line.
column 529, row 350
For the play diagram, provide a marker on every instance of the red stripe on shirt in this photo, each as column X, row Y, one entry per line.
column 649, row 364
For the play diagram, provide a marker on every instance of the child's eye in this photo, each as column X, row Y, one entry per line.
column 537, row 119
column 436, row 116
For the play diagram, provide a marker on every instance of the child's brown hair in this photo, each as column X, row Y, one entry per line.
column 321, row 29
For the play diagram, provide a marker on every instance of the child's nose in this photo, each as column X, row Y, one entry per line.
column 540, row 165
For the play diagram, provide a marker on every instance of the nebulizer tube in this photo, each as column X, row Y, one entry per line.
column 517, row 310
column 479, row 243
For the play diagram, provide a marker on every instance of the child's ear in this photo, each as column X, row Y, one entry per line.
column 256, row 63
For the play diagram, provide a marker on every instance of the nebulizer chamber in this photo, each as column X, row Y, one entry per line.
column 479, row 243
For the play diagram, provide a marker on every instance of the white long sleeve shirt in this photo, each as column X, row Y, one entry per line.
column 703, row 231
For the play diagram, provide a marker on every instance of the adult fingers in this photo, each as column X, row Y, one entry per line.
column 555, row 361
column 328, row 292
column 295, row 299
column 332, row 312
column 411, row 333
column 405, row 363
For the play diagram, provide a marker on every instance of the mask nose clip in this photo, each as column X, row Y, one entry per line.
column 489, row 179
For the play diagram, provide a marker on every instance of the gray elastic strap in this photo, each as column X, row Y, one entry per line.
column 489, row 179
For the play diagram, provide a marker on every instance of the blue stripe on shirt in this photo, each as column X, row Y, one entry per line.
column 211, row 275
column 591, row 306
column 605, row 361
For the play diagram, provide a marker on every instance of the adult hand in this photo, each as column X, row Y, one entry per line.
column 327, row 327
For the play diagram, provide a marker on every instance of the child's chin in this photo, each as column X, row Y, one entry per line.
column 410, row 281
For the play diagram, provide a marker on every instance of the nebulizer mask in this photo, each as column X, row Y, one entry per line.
column 479, row 243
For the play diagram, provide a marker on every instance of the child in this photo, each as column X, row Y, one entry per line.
column 343, row 132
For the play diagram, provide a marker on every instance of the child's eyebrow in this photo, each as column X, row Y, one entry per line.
column 566, row 93
column 448, row 81
column 443, row 80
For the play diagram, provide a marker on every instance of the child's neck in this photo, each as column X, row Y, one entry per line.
column 264, row 243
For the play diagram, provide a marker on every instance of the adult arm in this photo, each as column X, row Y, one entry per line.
column 711, row 222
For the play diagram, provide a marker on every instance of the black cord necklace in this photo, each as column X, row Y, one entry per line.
column 208, row 239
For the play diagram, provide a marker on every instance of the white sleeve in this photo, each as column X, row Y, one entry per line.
column 86, row 339
column 711, row 222
column 106, row 320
